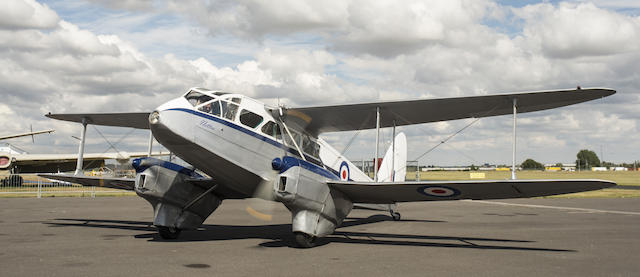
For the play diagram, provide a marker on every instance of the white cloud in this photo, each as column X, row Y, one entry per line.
column 134, row 5
column 26, row 14
column 572, row 30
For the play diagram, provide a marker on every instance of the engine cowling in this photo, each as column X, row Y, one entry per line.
column 164, row 185
column 315, row 208
column 5, row 162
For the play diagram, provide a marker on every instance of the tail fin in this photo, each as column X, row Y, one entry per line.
column 398, row 171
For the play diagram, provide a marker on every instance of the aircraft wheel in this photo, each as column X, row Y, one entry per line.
column 168, row 232
column 305, row 240
column 396, row 216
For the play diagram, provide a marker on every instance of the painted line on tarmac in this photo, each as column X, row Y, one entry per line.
column 554, row 207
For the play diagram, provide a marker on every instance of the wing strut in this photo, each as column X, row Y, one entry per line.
column 393, row 153
column 150, row 143
column 513, row 161
column 81, row 147
column 375, row 161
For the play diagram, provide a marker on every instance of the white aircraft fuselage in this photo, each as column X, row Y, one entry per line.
column 235, row 154
column 242, row 147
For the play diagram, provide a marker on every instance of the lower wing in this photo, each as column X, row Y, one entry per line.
column 386, row 193
column 114, row 183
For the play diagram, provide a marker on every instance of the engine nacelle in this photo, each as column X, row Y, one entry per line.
column 5, row 162
column 315, row 208
column 175, row 201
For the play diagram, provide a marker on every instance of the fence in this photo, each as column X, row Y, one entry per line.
column 31, row 185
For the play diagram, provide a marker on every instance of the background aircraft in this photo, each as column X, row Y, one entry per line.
column 14, row 161
column 243, row 148
column 27, row 134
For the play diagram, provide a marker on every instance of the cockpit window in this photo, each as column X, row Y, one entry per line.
column 212, row 108
column 229, row 110
column 196, row 98
column 250, row 119
column 272, row 129
column 236, row 100
column 219, row 93
column 310, row 147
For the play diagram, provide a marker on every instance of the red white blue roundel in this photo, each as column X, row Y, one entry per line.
column 344, row 172
column 438, row 191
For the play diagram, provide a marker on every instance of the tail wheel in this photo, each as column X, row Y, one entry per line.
column 168, row 232
column 305, row 240
column 396, row 216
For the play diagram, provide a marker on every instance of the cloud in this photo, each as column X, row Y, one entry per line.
column 27, row 14
column 572, row 30
column 133, row 5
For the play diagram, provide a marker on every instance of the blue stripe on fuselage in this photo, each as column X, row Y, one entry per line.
column 290, row 162
column 260, row 137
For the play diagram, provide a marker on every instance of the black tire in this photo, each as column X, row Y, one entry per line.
column 396, row 216
column 168, row 232
column 305, row 240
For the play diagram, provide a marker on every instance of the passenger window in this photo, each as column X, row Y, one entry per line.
column 272, row 129
column 212, row 108
column 250, row 119
column 229, row 110
column 195, row 98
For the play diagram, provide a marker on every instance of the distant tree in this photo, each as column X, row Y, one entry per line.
column 473, row 168
column 587, row 159
column 559, row 164
column 531, row 164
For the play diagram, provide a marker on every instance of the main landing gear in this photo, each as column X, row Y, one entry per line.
column 168, row 232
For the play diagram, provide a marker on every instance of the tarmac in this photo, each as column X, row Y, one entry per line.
column 112, row 236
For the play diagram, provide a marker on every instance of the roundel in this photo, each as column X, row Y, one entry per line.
column 438, row 191
column 344, row 171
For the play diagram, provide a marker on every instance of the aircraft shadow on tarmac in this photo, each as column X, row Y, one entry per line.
column 280, row 234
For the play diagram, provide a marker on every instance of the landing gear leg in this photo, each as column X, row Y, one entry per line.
column 305, row 240
column 168, row 232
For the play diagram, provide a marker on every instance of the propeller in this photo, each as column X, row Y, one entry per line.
column 262, row 204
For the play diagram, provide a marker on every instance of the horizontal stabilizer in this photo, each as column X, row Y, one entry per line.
column 381, row 193
column 133, row 120
column 91, row 181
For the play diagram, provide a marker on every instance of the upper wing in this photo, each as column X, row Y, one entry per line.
column 133, row 120
column 318, row 120
column 52, row 158
column 381, row 193
column 114, row 183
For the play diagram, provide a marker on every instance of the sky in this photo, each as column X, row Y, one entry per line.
column 131, row 56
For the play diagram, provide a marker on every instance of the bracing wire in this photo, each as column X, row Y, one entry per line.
column 447, row 139
column 110, row 144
